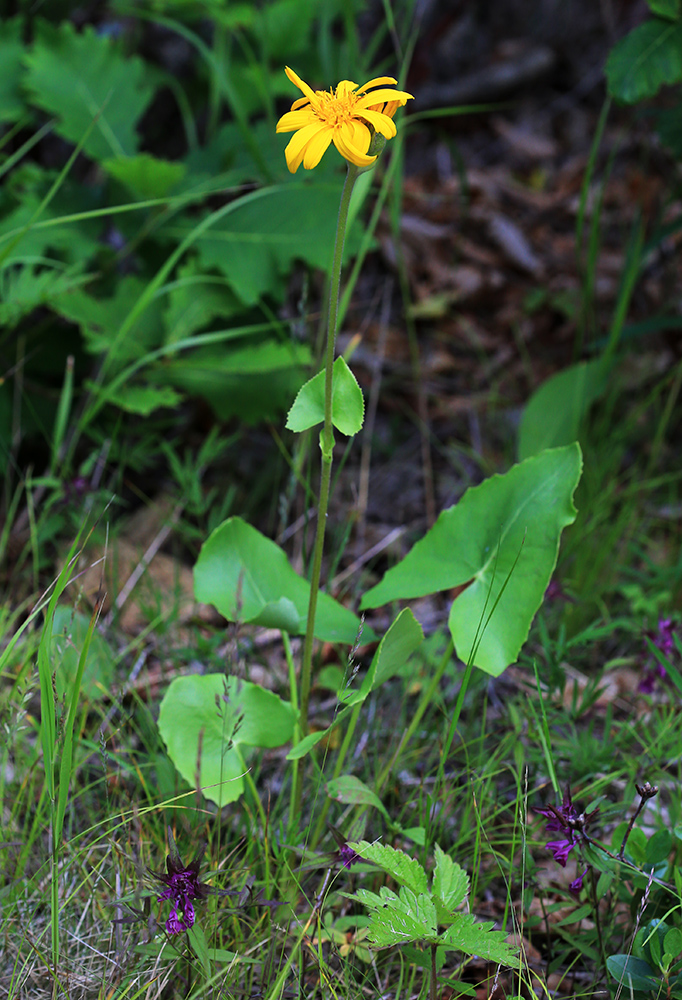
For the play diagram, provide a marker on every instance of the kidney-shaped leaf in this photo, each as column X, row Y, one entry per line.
column 249, row 579
column 500, row 544
column 204, row 720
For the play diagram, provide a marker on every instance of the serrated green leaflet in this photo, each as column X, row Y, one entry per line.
column 348, row 406
column 406, row 871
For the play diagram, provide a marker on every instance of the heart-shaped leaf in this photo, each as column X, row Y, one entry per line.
column 205, row 719
column 248, row 578
column 500, row 545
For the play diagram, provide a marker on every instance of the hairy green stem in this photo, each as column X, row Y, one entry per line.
column 327, row 447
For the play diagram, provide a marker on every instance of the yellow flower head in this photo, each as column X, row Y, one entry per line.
column 342, row 116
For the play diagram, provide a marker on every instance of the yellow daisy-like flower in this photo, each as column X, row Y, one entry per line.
column 343, row 116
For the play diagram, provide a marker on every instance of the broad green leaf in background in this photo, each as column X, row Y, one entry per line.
column 255, row 245
column 672, row 9
column 248, row 578
column 82, row 76
column 100, row 321
column 195, row 299
column 142, row 399
column 634, row 974
column 205, row 719
column 555, row 411
column 500, row 543
column 24, row 289
column 251, row 380
column 12, row 103
column 31, row 225
column 69, row 630
column 348, row 407
column 646, row 59
column 144, row 175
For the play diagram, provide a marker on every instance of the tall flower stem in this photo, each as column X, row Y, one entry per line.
column 327, row 447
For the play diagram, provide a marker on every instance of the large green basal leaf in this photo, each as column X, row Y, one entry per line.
column 500, row 544
column 80, row 77
column 204, row 721
column 554, row 413
column 645, row 60
column 255, row 245
column 248, row 578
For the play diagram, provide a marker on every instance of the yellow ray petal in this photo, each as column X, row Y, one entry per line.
column 378, row 81
column 381, row 96
column 316, row 148
column 295, row 150
column 380, row 122
column 350, row 140
column 293, row 120
column 295, row 79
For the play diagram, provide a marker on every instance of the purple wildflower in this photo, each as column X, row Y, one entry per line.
column 182, row 886
column 576, row 885
column 347, row 856
column 567, row 820
column 663, row 639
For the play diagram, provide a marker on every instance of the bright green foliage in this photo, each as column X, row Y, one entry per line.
column 255, row 245
column 249, row 579
column 417, row 910
column 348, row 407
column 402, row 639
column 553, row 415
column 24, row 289
column 450, row 885
column 246, row 378
column 196, row 299
column 205, row 720
column 81, row 78
column 144, row 175
column 645, row 60
column 143, row 399
column 11, row 54
column 100, row 321
column 500, row 543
